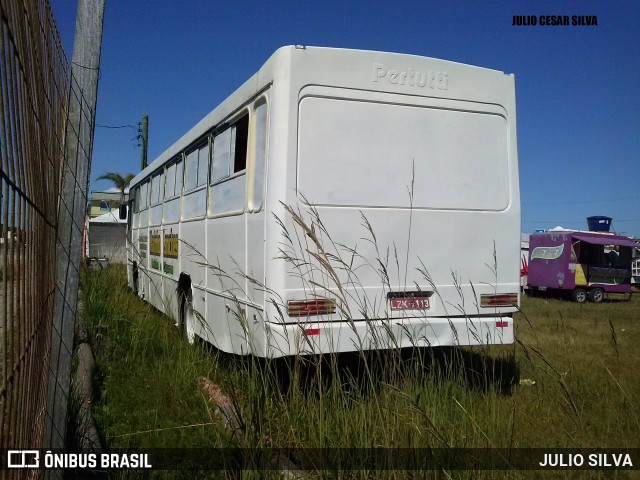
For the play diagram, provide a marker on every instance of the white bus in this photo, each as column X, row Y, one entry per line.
column 339, row 200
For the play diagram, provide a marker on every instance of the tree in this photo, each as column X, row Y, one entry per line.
column 120, row 182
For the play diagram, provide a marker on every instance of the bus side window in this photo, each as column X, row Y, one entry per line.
column 195, row 181
column 144, row 204
column 191, row 171
column 259, row 157
column 221, row 162
column 144, row 195
column 172, row 191
column 179, row 173
column 134, row 194
column 157, row 195
column 241, row 130
column 229, row 160
column 171, row 182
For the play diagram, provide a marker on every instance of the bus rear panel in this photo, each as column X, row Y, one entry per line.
column 408, row 181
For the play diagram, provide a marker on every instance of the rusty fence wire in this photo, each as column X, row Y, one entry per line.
column 36, row 90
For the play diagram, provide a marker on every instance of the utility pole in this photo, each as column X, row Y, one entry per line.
column 74, row 185
column 145, row 140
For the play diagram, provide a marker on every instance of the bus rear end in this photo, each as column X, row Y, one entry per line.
column 403, row 228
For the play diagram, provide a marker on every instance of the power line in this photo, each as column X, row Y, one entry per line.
column 137, row 129
column 117, row 126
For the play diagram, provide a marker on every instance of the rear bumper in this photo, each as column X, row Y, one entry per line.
column 331, row 337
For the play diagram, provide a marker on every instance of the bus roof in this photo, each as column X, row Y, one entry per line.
column 265, row 76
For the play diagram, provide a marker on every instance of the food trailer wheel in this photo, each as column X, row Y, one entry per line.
column 596, row 295
column 579, row 295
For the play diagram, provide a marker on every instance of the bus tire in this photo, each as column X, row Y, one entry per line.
column 579, row 295
column 185, row 307
column 596, row 295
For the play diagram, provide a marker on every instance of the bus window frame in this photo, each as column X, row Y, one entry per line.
column 173, row 162
column 230, row 124
column 262, row 99
column 196, row 147
column 134, row 197
column 178, row 162
column 161, row 172
column 144, row 184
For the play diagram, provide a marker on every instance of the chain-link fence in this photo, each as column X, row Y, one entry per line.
column 46, row 129
column 34, row 89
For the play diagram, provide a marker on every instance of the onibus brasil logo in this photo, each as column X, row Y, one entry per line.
column 547, row 253
column 38, row 459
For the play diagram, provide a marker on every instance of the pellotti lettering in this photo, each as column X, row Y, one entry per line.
column 432, row 79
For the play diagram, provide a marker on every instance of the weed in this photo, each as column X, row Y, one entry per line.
column 578, row 392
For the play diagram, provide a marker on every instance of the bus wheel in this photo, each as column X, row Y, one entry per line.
column 185, row 307
column 579, row 295
column 596, row 295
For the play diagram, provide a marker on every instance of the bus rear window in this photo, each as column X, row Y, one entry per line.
column 365, row 153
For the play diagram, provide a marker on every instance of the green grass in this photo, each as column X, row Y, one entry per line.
column 571, row 380
column 585, row 361
column 146, row 374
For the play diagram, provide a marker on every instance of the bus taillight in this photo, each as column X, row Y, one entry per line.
column 499, row 300
column 304, row 308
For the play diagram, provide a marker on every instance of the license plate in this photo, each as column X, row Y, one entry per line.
column 410, row 303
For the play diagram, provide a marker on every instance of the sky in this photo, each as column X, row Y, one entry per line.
column 577, row 87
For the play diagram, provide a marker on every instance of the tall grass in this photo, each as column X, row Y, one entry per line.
column 146, row 373
column 569, row 381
